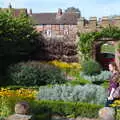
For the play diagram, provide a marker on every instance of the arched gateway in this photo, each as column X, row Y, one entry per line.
column 97, row 44
column 90, row 43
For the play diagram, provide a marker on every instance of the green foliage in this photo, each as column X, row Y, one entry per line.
column 91, row 67
column 100, row 78
column 85, row 45
column 7, row 105
column 4, row 105
column 88, row 93
column 2, row 118
column 105, row 84
column 108, row 48
column 66, row 109
column 16, row 87
column 42, row 116
column 86, row 42
column 17, row 34
column 44, row 109
column 110, row 32
column 79, row 81
column 73, row 9
column 118, row 114
column 34, row 74
column 18, row 39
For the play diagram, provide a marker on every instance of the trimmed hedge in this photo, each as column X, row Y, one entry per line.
column 66, row 109
column 45, row 109
column 88, row 93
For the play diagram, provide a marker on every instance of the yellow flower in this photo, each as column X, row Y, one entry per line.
column 65, row 65
column 23, row 93
column 116, row 103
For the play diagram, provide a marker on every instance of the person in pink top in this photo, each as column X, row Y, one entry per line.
column 113, row 83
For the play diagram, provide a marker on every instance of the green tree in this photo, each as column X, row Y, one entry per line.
column 18, row 38
column 73, row 10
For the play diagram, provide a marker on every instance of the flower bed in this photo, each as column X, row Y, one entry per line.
column 8, row 98
column 22, row 93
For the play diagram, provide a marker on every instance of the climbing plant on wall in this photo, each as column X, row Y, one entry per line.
column 87, row 40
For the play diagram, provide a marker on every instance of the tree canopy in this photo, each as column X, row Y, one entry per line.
column 73, row 9
column 17, row 38
column 17, row 35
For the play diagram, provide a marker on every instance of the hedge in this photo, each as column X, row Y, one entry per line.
column 66, row 109
column 43, row 110
column 89, row 93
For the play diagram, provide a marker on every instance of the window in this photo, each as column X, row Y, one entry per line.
column 47, row 32
column 61, row 27
column 66, row 32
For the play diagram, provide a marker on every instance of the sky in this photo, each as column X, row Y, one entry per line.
column 88, row 8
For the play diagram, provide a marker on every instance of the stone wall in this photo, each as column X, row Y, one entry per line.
column 93, row 24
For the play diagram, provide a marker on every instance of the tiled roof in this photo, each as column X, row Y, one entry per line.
column 53, row 18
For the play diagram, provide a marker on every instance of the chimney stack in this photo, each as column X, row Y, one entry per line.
column 30, row 11
column 59, row 12
column 10, row 6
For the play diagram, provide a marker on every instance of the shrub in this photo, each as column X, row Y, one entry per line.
column 34, row 73
column 105, row 84
column 79, row 81
column 104, row 75
column 88, row 93
column 58, row 48
column 91, row 67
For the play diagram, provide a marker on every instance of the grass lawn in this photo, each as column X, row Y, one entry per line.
column 108, row 48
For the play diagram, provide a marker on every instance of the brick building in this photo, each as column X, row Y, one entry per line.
column 52, row 24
